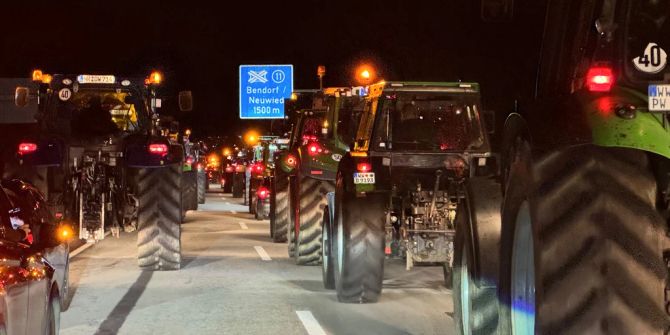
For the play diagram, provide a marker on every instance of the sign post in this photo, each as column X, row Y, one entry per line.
column 263, row 90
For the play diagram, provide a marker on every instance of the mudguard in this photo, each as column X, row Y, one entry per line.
column 484, row 201
column 50, row 152
column 137, row 155
column 642, row 130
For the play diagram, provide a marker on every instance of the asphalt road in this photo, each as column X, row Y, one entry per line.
column 234, row 280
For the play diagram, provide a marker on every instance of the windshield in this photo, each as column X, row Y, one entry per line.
column 429, row 122
column 94, row 112
column 648, row 40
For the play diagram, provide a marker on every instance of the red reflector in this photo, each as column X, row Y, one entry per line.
column 317, row 172
column 158, row 148
column 387, row 250
column 263, row 193
column 25, row 148
column 600, row 79
column 291, row 161
column 363, row 167
column 313, row 149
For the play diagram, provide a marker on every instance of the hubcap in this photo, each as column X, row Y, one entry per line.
column 523, row 275
column 465, row 293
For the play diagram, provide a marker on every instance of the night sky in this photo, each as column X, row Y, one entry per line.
column 200, row 45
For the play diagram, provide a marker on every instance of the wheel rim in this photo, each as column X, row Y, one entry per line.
column 340, row 245
column 465, row 293
column 325, row 246
column 523, row 275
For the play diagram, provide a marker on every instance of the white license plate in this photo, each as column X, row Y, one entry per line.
column 95, row 79
column 659, row 98
column 364, row 178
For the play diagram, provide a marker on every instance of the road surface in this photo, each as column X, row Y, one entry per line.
column 234, row 280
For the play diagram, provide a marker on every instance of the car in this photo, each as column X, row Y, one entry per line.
column 34, row 265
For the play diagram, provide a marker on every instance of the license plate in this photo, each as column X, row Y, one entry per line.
column 659, row 98
column 364, row 178
column 95, row 79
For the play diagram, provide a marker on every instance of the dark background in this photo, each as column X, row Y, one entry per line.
column 199, row 45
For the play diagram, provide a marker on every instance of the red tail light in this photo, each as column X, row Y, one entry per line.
column 291, row 161
column 26, row 148
column 314, row 149
column 229, row 169
column 262, row 193
column 239, row 168
column 189, row 160
column 364, row 167
column 258, row 168
column 158, row 148
column 600, row 79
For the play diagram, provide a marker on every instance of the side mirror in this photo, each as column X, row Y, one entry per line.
column 185, row 101
column 497, row 10
column 21, row 96
column 490, row 121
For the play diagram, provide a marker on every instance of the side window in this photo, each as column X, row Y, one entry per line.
column 349, row 116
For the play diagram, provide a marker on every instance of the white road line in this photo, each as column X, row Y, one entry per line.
column 81, row 249
column 261, row 252
column 233, row 212
column 243, row 225
column 311, row 325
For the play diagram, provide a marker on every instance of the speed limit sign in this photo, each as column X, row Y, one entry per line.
column 65, row 94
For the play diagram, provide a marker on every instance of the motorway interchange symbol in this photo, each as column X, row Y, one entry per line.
column 258, row 76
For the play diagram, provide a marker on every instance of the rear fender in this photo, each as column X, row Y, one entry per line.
column 137, row 153
column 644, row 131
column 50, row 152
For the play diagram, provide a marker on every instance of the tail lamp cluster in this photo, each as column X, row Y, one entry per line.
column 158, row 148
column 257, row 168
column 27, row 147
column 600, row 78
column 263, row 193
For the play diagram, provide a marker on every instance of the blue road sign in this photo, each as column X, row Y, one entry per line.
column 263, row 89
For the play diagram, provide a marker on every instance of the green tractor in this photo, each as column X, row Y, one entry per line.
column 584, row 245
column 321, row 137
column 420, row 170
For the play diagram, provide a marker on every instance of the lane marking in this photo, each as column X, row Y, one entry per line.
column 261, row 252
column 309, row 322
column 233, row 212
column 81, row 249
column 243, row 225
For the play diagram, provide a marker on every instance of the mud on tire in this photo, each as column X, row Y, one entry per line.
column 599, row 241
column 159, row 215
column 312, row 201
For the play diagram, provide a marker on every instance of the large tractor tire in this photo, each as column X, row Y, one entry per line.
column 312, row 203
column 279, row 209
column 475, row 300
column 189, row 182
column 359, row 246
column 327, row 255
column 582, row 249
column 159, row 214
column 237, row 187
column 203, row 186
